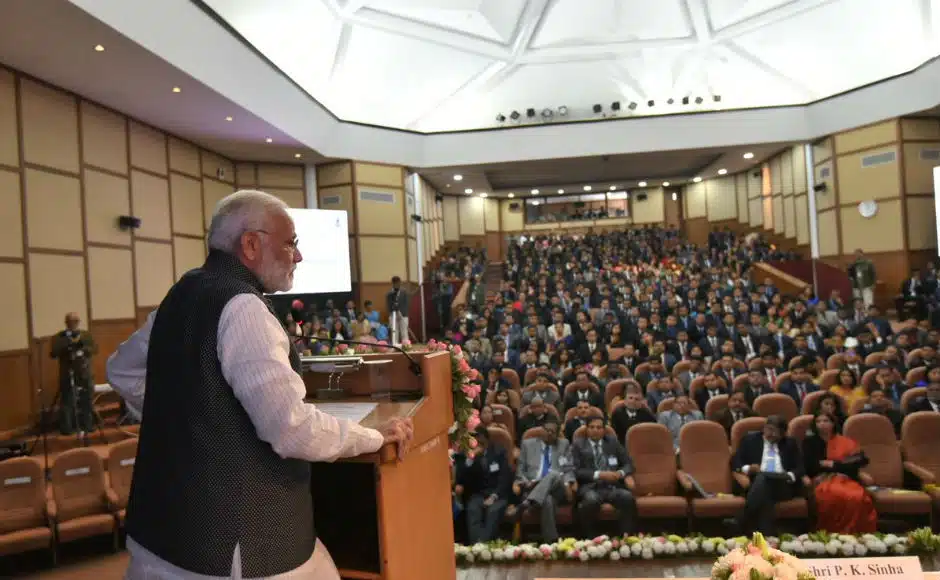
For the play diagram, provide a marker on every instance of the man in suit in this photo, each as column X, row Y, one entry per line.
column 929, row 402
column 591, row 345
column 772, row 462
column 585, row 391
column 631, row 413
column 542, row 476
column 580, row 419
column 757, row 385
column 398, row 303
column 889, row 379
column 681, row 414
column 799, row 384
column 601, row 466
column 656, row 371
column 487, row 481
column 712, row 388
column 736, row 410
column 685, row 378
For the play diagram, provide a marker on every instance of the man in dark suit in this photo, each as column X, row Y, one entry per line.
column 757, row 385
column 929, row 402
column 631, row 413
column 486, row 480
column 889, row 379
column 772, row 462
column 712, row 388
column 585, row 391
column 542, row 475
column 798, row 385
column 736, row 410
column 601, row 466
column 590, row 345
column 582, row 410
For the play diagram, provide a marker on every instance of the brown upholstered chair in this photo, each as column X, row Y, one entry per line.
column 811, row 400
column 715, row 405
column 875, row 435
column 828, row 378
column 743, row 427
column 513, row 378
column 575, row 386
column 654, row 483
column 592, row 412
column 25, row 524
column 615, row 390
column 874, row 359
column 919, row 435
column 120, row 463
column 704, row 455
column 835, row 362
column 776, row 404
column 500, row 436
column 781, row 378
column 916, row 375
column 799, row 426
column 911, row 394
column 505, row 417
column 680, row 367
column 582, row 432
column 550, row 409
column 868, row 377
column 80, row 497
column 515, row 399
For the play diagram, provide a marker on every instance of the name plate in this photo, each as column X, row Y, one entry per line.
column 126, row 462
column 897, row 567
column 17, row 480
column 77, row 471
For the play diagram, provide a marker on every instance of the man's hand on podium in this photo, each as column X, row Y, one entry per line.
column 398, row 431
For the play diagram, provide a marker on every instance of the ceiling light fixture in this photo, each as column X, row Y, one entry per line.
column 468, row 190
column 229, row 119
column 749, row 155
column 587, row 188
column 642, row 184
column 632, row 106
column 615, row 106
column 269, row 140
column 722, row 171
column 598, row 108
column 547, row 113
column 675, row 196
column 613, row 187
column 458, row 177
column 99, row 48
column 685, row 100
column 484, row 194
column 665, row 184
column 177, row 90
column 563, row 111
column 536, row 202
column 650, row 103
column 561, row 191
column 514, row 115
column 698, row 100
column 696, row 179
column 297, row 155
column 535, row 192
column 512, row 195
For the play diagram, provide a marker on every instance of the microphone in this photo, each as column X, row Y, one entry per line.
column 412, row 363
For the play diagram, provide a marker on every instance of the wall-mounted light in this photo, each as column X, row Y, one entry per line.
column 675, row 196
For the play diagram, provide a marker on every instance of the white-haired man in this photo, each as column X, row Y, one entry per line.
column 221, row 484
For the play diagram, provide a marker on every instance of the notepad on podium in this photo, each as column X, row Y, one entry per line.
column 382, row 518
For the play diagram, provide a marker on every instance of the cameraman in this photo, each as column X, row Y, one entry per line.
column 74, row 349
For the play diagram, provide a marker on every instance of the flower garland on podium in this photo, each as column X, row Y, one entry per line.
column 920, row 542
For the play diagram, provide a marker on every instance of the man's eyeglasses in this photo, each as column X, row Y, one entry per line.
column 292, row 243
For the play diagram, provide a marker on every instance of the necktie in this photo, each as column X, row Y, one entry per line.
column 546, row 460
column 735, row 416
column 598, row 456
column 771, row 459
column 801, row 391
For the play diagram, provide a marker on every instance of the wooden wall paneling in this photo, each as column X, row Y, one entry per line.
column 16, row 389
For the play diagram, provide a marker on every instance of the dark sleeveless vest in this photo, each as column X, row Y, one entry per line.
column 203, row 480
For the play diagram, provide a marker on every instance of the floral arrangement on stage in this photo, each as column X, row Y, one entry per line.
column 466, row 418
column 757, row 560
column 647, row 547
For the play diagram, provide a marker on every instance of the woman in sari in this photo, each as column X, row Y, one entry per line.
column 833, row 461
column 848, row 388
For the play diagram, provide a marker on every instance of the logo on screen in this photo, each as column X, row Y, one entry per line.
column 337, row 223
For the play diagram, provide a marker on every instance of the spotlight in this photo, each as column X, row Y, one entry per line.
column 665, row 184
column 547, row 113
column 560, row 191
column 484, row 194
column 716, row 98
column 563, row 111
column 650, row 103
column 468, row 191
column 722, row 171
column 512, row 195
column 698, row 100
column 514, row 115
column 536, row 202
column 685, row 100
column 615, row 106
column 749, row 155
column 458, row 177
column 613, row 188
column 500, row 118
column 642, row 184
column 535, row 192
column 598, row 108
column 632, row 106
column 675, row 196
column 530, row 112
column 696, row 179
column 587, row 188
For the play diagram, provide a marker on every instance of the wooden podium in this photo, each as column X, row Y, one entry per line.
column 379, row 517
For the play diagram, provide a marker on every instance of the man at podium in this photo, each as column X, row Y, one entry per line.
column 222, row 478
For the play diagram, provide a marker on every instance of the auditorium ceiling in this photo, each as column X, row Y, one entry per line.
column 451, row 65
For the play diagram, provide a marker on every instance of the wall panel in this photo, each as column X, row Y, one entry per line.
column 380, row 217
column 451, row 219
column 695, row 202
column 183, row 157
column 53, row 211
column 338, row 198
column 111, row 282
column 651, row 211
column 188, row 253
column 857, row 231
column 186, row 203
column 860, row 183
column 50, row 126
column 286, row 176
column 381, row 258
column 867, row 137
column 921, row 224
column 919, row 161
column 9, row 133
column 104, row 138
column 154, row 272
column 11, row 217
column 471, row 216
column 828, row 233
column 151, row 198
column 148, row 148
column 56, row 287
column 14, row 332
column 106, row 198
column 212, row 193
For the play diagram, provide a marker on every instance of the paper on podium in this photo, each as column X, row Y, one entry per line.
column 355, row 412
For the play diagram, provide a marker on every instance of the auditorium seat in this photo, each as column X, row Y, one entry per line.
column 615, row 390
column 608, row 512
column 78, row 490
column 745, row 426
column 811, row 400
column 120, row 463
column 25, row 524
column 875, row 435
column 654, row 482
column 513, row 378
column 835, row 362
column 505, row 417
column 781, row 378
column 705, row 456
column 714, row 406
column 916, row 375
column 564, row 514
column 910, row 395
column 919, row 435
column 828, row 378
column 576, row 386
column 592, row 412
column 798, row 427
column 776, row 404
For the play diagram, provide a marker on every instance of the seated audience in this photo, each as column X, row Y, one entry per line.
column 833, row 461
column 681, row 414
column 736, row 410
column 543, row 474
column 929, row 402
column 711, row 389
column 537, row 416
column 601, row 466
column 485, row 483
column 849, row 388
column 631, row 413
column 772, row 462
column 798, row 385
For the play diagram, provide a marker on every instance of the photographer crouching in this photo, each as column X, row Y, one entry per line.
column 74, row 349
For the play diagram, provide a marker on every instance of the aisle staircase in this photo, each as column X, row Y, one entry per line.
column 492, row 276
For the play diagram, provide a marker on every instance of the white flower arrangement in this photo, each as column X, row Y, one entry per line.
column 648, row 547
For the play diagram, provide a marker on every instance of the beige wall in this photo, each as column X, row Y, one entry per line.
column 451, row 218
column 511, row 221
column 651, row 211
column 68, row 169
column 471, row 216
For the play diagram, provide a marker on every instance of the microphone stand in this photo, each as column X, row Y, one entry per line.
column 412, row 363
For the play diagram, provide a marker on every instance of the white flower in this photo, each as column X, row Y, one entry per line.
column 848, row 548
column 477, row 548
column 819, row 548
column 722, row 549
column 543, row 547
column 579, row 545
column 693, row 545
column 583, row 556
column 861, row 550
column 835, row 543
column 469, row 558
column 615, row 556
column 845, row 538
column 682, row 548
column 708, row 546
column 453, row 428
column 798, row 548
column 869, row 538
column 647, row 554
column 803, row 537
column 486, row 555
column 899, row 548
column 731, row 544
column 890, row 540
column 832, row 549
column 878, row 547
column 594, row 552
column 498, row 555
column 659, row 548
column 607, row 545
column 637, row 549
column 624, row 551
